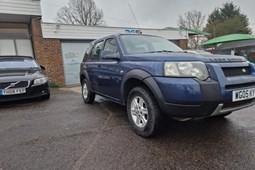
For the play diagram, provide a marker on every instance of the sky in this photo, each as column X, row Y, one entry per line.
column 149, row 13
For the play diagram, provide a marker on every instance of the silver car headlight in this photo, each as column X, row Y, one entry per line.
column 40, row 81
column 186, row 69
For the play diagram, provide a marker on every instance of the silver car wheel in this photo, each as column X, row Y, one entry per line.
column 139, row 112
column 85, row 91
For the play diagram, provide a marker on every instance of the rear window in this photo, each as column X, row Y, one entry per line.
column 16, row 63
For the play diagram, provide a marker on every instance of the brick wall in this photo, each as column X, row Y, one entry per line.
column 48, row 53
column 183, row 44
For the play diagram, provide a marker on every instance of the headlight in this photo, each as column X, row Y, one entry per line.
column 40, row 81
column 186, row 69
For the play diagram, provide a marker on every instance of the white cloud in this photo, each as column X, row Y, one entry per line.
column 149, row 13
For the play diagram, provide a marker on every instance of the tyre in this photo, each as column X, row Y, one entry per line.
column 143, row 112
column 87, row 95
column 46, row 97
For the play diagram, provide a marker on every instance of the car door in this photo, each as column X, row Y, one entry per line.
column 93, row 63
column 109, row 72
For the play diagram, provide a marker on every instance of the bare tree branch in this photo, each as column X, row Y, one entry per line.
column 192, row 20
column 81, row 12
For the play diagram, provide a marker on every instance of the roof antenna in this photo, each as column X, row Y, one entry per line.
column 135, row 18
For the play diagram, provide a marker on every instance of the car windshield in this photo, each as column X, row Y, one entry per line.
column 138, row 44
column 17, row 63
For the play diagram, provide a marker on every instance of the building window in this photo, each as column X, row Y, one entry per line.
column 22, row 47
column 15, row 40
column 7, row 47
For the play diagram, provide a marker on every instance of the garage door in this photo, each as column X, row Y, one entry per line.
column 72, row 53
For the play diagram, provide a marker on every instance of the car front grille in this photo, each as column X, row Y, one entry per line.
column 14, row 84
column 235, row 71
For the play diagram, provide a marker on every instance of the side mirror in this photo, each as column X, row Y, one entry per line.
column 42, row 67
column 109, row 55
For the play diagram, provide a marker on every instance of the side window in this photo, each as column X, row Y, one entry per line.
column 96, row 51
column 86, row 55
column 111, row 45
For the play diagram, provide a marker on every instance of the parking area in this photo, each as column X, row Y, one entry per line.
column 64, row 133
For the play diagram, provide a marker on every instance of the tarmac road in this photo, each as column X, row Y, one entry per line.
column 64, row 133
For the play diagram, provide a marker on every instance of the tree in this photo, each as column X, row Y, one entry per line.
column 227, row 20
column 81, row 12
column 192, row 20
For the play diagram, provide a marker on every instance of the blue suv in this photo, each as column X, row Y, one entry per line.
column 153, row 78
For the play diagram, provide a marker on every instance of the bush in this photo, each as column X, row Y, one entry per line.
column 54, row 85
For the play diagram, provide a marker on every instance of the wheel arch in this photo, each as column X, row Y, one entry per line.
column 142, row 78
column 84, row 75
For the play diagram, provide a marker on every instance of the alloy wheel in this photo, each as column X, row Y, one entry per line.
column 139, row 112
column 85, row 91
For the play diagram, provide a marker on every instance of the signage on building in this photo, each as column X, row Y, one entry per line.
column 133, row 31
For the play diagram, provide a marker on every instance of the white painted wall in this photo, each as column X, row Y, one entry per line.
column 63, row 31
column 20, row 7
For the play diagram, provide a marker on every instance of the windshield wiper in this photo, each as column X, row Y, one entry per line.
column 160, row 51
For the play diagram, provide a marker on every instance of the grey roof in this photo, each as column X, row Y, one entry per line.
column 237, row 44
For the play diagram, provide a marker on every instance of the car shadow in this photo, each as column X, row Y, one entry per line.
column 21, row 103
column 201, row 127
column 191, row 128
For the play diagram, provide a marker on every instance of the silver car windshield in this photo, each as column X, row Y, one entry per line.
column 17, row 63
column 139, row 44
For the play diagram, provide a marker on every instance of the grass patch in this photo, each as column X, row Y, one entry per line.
column 54, row 85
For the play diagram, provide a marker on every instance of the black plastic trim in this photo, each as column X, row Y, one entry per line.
column 133, row 74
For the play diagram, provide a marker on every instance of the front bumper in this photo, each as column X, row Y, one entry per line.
column 205, row 109
column 190, row 98
column 31, row 92
column 221, row 109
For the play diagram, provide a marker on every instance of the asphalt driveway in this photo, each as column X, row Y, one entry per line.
column 64, row 133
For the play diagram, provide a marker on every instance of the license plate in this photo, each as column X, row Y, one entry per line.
column 7, row 92
column 245, row 94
